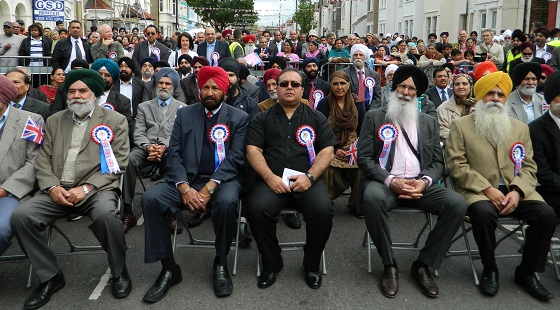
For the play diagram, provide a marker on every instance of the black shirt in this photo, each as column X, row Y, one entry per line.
column 275, row 134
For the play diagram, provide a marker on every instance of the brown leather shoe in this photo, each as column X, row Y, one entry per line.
column 425, row 281
column 129, row 221
column 172, row 220
column 390, row 282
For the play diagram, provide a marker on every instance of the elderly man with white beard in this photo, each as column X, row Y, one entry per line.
column 401, row 159
column 524, row 103
column 364, row 82
column 84, row 152
column 490, row 157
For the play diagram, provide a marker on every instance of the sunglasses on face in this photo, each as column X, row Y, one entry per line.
column 151, row 33
column 285, row 84
column 527, row 54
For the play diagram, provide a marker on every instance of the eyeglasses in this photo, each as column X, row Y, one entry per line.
column 151, row 33
column 409, row 88
column 284, row 84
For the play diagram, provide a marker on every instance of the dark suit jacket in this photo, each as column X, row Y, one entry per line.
column 297, row 49
column 319, row 85
column 122, row 105
column 141, row 51
column 137, row 91
column 63, row 50
column 245, row 103
column 37, row 94
column 517, row 61
column 545, row 136
column 273, row 47
column 221, row 48
column 251, row 89
column 37, row 107
column 351, row 71
column 185, row 145
column 370, row 147
column 268, row 52
column 25, row 47
column 434, row 97
column 190, row 89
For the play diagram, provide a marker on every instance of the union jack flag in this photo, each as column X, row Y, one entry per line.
column 352, row 153
column 33, row 131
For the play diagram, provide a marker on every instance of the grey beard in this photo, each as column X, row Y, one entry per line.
column 147, row 74
column 492, row 122
column 527, row 91
column 358, row 63
column 273, row 96
column 403, row 109
column 81, row 107
column 163, row 94
column 524, row 59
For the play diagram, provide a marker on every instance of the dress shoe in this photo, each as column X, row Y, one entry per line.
column 158, row 174
column 197, row 219
column 74, row 217
column 223, row 286
column 390, row 282
column 129, row 221
column 43, row 293
column 313, row 279
column 122, row 285
column 292, row 220
column 267, row 278
column 166, row 279
column 425, row 281
column 489, row 282
column 150, row 172
column 532, row 285
column 172, row 220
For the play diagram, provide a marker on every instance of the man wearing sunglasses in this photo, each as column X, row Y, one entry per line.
column 290, row 138
column 149, row 48
column 10, row 42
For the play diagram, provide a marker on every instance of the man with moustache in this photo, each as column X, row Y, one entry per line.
column 205, row 158
column 147, row 69
column 151, row 87
column 314, row 88
column 189, row 84
column 364, row 82
column 75, row 179
column 236, row 96
column 490, row 157
column 524, row 103
column 184, row 63
column 151, row 135
column 269, row 79
column 528, row 54
column 401, row 159
column 129, row 86
column 264, row 51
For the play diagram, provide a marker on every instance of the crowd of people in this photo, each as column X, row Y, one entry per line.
column 385, row 115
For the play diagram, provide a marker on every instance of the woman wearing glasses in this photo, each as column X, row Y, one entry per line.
column 460, row 104
column 345, row 112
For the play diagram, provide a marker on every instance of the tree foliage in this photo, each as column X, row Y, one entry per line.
column 224, row 13
column 304, row 16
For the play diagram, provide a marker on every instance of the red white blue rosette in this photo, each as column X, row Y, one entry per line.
column 109, row 106
column 305, row 136
column 219, row 134
column 517, row 155
column 156, row 53
column 546, row 56
column 215, row 58
column 369, row 82
column 317, row 96
column 112, row 55
column 545, row 106
column 387, row 133
column 103, row 135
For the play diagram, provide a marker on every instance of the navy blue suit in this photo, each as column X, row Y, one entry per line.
column 221, row 48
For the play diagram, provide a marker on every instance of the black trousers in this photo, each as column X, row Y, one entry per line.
column 164, row 197
column 538, row 215
column 265, row 207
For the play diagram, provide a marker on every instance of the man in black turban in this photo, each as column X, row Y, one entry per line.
column 524, row 103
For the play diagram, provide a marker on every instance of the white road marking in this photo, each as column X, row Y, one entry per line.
column 102, row 283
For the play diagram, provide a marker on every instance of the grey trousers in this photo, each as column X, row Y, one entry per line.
column 31, row 219
column 449, row 206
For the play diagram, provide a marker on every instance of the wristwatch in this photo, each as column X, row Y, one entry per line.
column 210, row 190
column 310, row 177
column 86, row 190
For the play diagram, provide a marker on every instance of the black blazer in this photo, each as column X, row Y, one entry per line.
column 433, row 95
column 141, row 51
column 268, row 52
column 319, row 85
column 37, row 107
column 137, row 91
column 190, row 89
column 545, row 136
column 370, row 147
column 273, row 47
column 376, row 100
column 221, row 48
column 185, row 145
column 63, row 50
column 25, row 47
column 297, row 49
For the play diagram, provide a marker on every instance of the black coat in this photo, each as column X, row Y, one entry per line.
column 25, row 47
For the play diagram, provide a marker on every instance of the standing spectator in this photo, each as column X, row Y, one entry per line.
column 494, row 52
column 71, row 48
column 34, row 45
column 10, row 43
column 54, row 39
column 186, row 46
column 150, row 48
column 213, row 49
column 370, row 93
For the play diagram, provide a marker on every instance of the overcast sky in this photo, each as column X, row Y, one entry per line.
column 269, row 10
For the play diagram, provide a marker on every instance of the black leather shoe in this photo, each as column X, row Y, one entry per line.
column 390, row 282
column 313, row 279
column 173, row 221
column 197, row 219
column 165, row 280
column 425, row 281
column 43, row 293
column 150, row 173
column 223, row 286
column 533, row 286
column 267, row 278
column 489, row 282
column 122, row 285
column 292, row 220
column 158, row 174
column 129, row 221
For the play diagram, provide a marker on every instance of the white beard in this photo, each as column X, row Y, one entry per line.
column 81, row 107
column 358, row 63
column 163, row 94
column 402, row 109
column 273, row 95
column 492, row 122
column 526, row 59
column 527, row 90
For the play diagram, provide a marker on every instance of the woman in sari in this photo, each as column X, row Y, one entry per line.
column 57, row 78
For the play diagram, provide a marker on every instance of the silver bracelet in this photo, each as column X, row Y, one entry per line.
column 188, row 189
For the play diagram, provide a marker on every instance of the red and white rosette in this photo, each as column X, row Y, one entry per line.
column 219, row 134
column 103, row 135
column 215, row 58
column 317, row 95
column 387, row 133
column 305, row 136
column 517, row 155
column 109, row 106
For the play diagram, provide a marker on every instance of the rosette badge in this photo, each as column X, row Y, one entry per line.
column 215, row 58
column 219, row 134
column 517, row 155
column 318, row 95
column 103, row 135
column 305, row 136
column 387, row 133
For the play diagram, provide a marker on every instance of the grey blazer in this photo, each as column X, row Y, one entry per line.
column 514, row 106
column 17, row 156
column 152, row 127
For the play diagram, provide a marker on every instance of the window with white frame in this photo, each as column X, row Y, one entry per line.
column 493, row 19
column 428, row 26
column 161, row 5
column 382, row 4
column 483, row 20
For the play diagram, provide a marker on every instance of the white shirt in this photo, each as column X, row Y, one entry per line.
column 126, row 90
column 540, row 51
column 103, row 98
column 529, row 109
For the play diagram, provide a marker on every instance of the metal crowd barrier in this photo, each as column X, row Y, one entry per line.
column 39, row 74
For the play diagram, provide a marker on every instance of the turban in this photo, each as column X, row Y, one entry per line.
column 280, row 61
column 445, row 33
column 390, row 68
column 79, row 62
column 520, row 71
column 547, row 70
column 517, row 33
column 226, row 32
column 271, row 73
column 229, row 65
column 201, row 60
column 309, row 60
column 418, row 76
column 551, row 89
column 243, row 72
column 170, row 73
column 128, row 61
column 496, row 39
column 160, row 64
column 488, row 82
column 217, row 74
column 530, row 45
column 249, row 37
column 9, row 91
column 90, row 77
column 483, row 67
column 186, row 57
column 147, row 59
column 108, row 64
column 507, row 33
column 450, row 66
column 360, row 47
